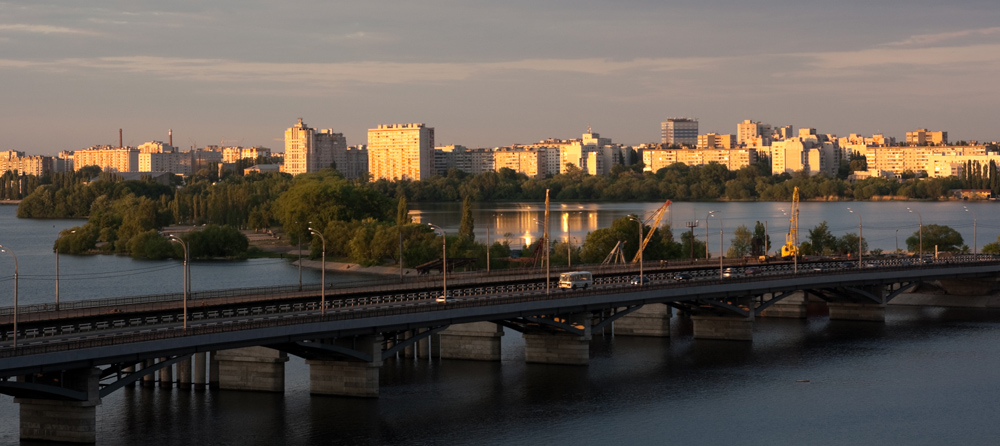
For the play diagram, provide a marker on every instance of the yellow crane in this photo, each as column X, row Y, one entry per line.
column 656, row 223
column 791, row 247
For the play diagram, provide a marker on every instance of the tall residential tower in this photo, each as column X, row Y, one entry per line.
column 679, row 131
column 401, row 151
column 311, row 150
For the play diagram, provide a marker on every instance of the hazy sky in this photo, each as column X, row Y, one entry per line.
column 489, row 73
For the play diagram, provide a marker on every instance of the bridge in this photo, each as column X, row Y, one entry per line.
column 68, row 358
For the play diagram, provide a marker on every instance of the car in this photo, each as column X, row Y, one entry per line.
column 752, row 271
column 730, row 272
column 848, row 265
column 442, row 299
column 639, row 280
column 680, row 277
column 818, row 269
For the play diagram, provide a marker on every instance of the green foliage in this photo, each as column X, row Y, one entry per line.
column 215, row 241
column 848, row 244
column 821, row 241
column 761, row 240
column 944, row 237
column 327, row 197
column 741, row 244
column 467, row 226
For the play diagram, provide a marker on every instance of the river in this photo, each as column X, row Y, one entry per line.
column 925, row 376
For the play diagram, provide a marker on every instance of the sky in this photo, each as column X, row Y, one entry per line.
column 486, row 74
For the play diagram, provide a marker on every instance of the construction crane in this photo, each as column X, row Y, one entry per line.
column 616, row 255
column 656, row 223
column 791, row 247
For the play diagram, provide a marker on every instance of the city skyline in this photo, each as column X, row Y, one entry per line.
column 487, row 75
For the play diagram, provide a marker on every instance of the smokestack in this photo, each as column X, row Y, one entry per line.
column 120, row 138
column 170, row 137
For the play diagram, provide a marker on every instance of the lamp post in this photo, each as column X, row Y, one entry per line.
column 298, row 235
column 722, row 245
column 569, row 245
column 488, row 245
column 920, row 230
column 860, row 234
column 637, row 220
column 8, row 251
column 975, row 243
column 897, row 241
column 187, row 281
column 322, row 275
column 710, row 213
column 444, row 260
column 57, row 273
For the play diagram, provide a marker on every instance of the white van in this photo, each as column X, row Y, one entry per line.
column 575, row 279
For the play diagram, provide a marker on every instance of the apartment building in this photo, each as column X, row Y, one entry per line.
column 923, row 137
column 311, row 150
column 15, row 161
column 679, row 131
column 108, row 158
column 401, row 151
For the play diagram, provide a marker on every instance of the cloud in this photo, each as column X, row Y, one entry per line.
column 335, row 75
column 42, row 29
column 931, row 39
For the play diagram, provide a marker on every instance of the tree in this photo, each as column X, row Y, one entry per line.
column 848, row 244
column 741, row 244
column 761, row 240
column 944, row 237
column 467, row 226
column 687, row 250
column 821, row 240
column 403, row 212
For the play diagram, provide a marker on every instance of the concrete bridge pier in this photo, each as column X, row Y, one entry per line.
column 794, row 306
column 729, row 327
column 356, row 377
column 128, row 371
column 650, row 320
column 563, row 347
column 60, row 420
column 148, row 380
column 477, row 340
column 867, row 304
column 199, row 371
column 166, row 376
column 213, row 370
column 184, row 374
column 252, row 368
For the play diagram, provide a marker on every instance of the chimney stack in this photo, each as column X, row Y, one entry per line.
column 170, row 137
column 120, row 138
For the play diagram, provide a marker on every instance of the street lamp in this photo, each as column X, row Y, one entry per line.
column 710, row 213
column 322, row 274
column 488, row 245
column 8, row 251
column 637, row 220
column 444, row 261
column 57, row 272
column 920, row 219
column 974, row 241
column 722, row 245
column 187, row 282
column 897, row 241
column 860, row 234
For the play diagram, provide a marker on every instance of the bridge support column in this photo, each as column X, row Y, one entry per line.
column 63, row 421
column 348, row 378
column 148, row 380
column 199, row 371
column 729, row 328
column 477, row 340
column 184, row 374
column 166, row 376
column 252, row 368
column 794, row 306
column 650, row 320
column 128, row 371
column 847, row 311
column 213, row 370
column 560, row 348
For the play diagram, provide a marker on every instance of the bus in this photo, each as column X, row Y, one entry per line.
column 575, row 279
